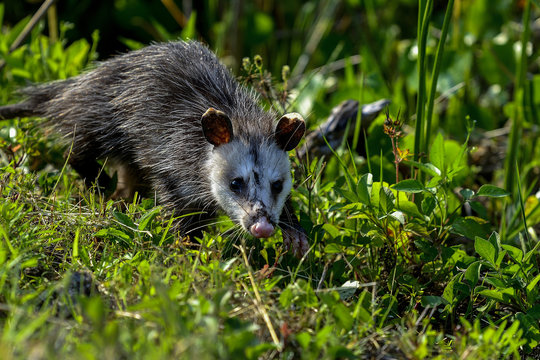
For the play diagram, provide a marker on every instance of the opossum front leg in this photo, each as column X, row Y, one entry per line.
column 294, row 236
column 129, row 181
column 89, row 170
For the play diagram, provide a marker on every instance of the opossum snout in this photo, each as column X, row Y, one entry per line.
column 262, row 228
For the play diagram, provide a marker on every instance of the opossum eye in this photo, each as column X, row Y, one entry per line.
column 237, row 185
column 277, row 186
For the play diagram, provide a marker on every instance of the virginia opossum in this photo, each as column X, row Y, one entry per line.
column 175, row 118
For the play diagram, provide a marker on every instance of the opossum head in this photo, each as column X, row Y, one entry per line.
column 251, row 179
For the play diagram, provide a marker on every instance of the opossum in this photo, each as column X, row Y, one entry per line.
column 178, row 122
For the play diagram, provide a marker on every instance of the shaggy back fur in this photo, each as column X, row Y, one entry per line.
column 143, row 109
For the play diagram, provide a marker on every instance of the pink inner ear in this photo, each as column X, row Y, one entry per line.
column 289, row 131
column 217, row 127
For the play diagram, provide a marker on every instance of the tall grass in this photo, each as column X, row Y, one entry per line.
column 385, row 277
column 424, row 111
column 435, row 73
column 512, row 156
column 424, row 15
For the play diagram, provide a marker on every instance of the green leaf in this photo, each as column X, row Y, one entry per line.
column 112, row 233
column 349, row 195
column 408, row 207
column 331, row 230
column 458, row 160
column 147, row 218
column 363, row 189
column 472, row 274
column 495, row 240
column 434, row 183
column 448, row 292
column 436, row 154
column 505, row 295
column 532, row 285
column 409, row 186
column 94, row 310
column 256, row 352
column 531, row 252
column 534, row 312
column 486, row 250
column 304, row 339
column 479, row 208
column 495, row 282
column 386, row 199
column 362, row 308
column 428, row 205
column 428, row 252
column 433, row 301
column 309, row 298
column 333, row 249
column 428, row 168
column 286, row 297
column 348, row 289
column 492, row 191
column 399, row 216
column 75, row 251
column 471, row 227
column 529, row 322
column 514, row 253
column 323, row 335
column 124, row 219
column 343, row 316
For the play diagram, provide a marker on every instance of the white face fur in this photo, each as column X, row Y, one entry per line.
column 250, row 181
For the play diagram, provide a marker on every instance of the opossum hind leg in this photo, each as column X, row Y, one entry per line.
column 126, row 182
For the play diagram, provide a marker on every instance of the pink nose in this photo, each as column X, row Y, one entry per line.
column 262, row 228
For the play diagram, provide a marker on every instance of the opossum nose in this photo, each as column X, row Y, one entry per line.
column 262, row 228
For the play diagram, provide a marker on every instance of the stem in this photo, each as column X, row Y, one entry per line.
column 396, row 162
column 515, row 132
column 358, row 125
column 522, row 208
column 435, row 74
column 422, row 39
column 258, row 301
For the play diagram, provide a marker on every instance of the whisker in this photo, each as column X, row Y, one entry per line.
column 205, row 225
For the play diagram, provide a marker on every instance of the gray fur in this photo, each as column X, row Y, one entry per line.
column 143, row 110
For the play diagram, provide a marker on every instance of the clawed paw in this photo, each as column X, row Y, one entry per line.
column 296, row 241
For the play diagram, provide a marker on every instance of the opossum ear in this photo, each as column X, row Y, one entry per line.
column 289, row 131
column 217, row 127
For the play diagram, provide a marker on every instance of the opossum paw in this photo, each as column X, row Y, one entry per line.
column 296, row 240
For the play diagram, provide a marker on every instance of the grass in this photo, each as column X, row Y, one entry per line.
column 401, row 264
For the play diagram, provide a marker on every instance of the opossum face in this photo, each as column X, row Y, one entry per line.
column 251, row 180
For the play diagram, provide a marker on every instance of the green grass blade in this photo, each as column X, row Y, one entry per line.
column 516, row 130
column 358, row 124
